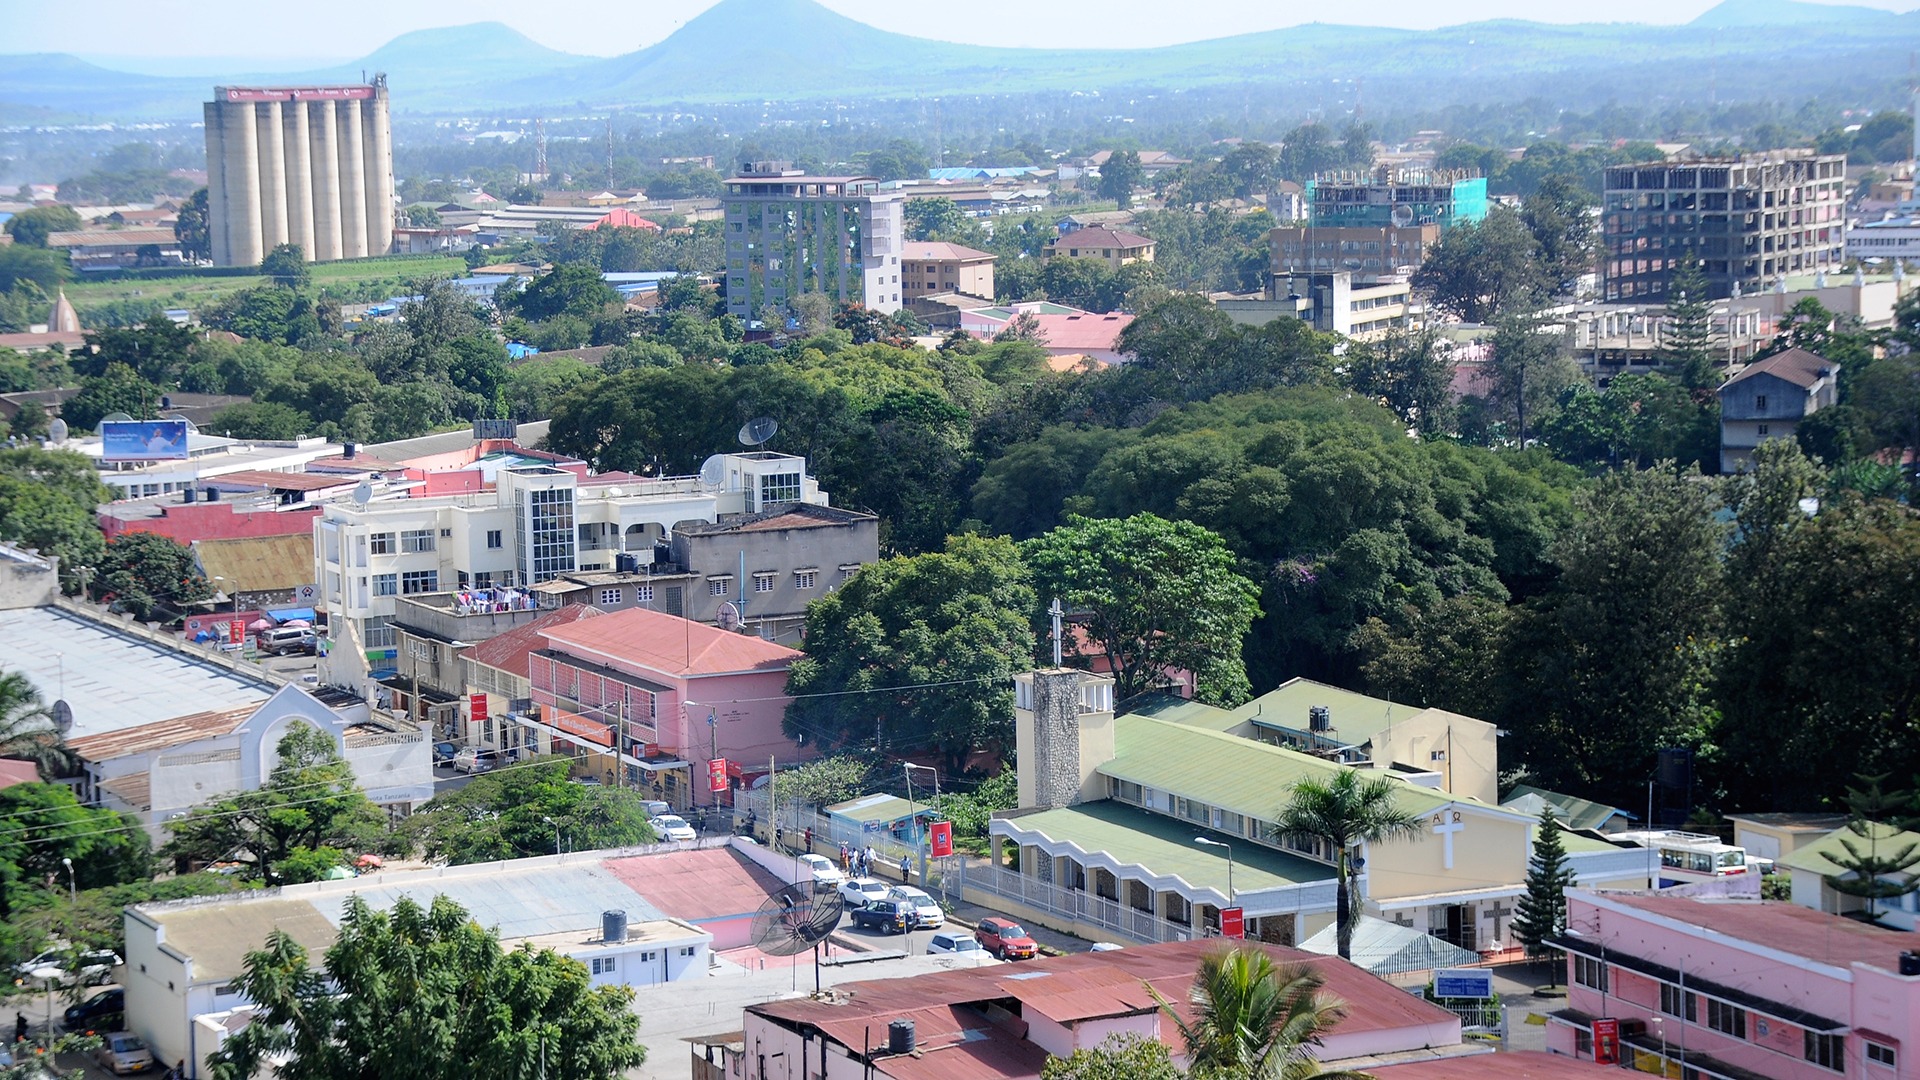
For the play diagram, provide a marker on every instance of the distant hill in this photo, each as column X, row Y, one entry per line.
column 798, row 50
column 1787, row 13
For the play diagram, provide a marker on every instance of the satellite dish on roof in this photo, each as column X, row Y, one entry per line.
column 713, row 471
column 1402, row 216
column 61, row 714
column 728, row 617
column 57, row 431
column 758, row 430
column 363, row 493
column 795, row 919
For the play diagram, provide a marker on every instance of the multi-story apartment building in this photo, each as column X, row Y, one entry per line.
column 1750, row 221
column 525, row 520
column 789, row 234
column 1115, row 247
column 931, row 268
column 1376, row 225
column 1727, row 989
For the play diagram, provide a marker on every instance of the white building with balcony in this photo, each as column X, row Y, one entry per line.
column 531, row 521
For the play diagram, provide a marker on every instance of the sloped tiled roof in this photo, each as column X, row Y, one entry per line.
column 1797, row 366
column 508, row 652
column 670, row 645
column 257, row 563
column 927, row 249
column 1099, row 236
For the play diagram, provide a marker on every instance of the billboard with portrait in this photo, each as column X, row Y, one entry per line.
column 143, row 440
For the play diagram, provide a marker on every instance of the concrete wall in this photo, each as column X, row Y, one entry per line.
column 1488, row 851
column 1470, row 766
column 27, row 580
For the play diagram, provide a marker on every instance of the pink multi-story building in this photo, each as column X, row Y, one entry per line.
column 1732, row 988
column 672, row 695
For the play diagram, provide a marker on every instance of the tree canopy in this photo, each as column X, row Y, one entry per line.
column 516, row 813
column 427, row 994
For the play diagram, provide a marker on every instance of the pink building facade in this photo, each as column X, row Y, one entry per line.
column 673, row 696
column 1733, row 988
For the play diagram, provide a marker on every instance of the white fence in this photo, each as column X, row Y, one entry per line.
column 1077, row 904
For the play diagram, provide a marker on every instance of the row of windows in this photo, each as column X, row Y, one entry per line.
column 642, row 594
column 1824, row 1050
column 763, row 581
column 411, row 583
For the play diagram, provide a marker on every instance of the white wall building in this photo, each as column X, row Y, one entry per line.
column 536, row 521
column 158, row 771
column 185, row 957
column 208, row 457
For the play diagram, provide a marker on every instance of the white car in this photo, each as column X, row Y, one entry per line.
column 923, row 905
column 825, row 874
column 957, row 943
column 94, row 966
column 861, row 891
column 672, row 827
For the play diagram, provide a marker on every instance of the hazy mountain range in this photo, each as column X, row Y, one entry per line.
column 797, row 50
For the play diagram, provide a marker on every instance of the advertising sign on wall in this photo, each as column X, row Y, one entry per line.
column 143, row 440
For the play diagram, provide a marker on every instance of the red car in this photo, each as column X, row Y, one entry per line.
column 1005, row 939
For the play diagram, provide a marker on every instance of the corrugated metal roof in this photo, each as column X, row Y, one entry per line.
column 162, row 734
column 1227, row 771
column 522, row 898
column 134, row 789
column 1164, row 846
column 699, row 886
column 669, row 644
column 218, row 934
column 508, row 652
column 257, row 563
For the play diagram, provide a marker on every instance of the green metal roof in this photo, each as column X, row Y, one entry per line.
column 1164, row 846
column 1241, row 775
column 1818, row 856
column 1574, row 813
column 1356, row 717
column 1576, row 843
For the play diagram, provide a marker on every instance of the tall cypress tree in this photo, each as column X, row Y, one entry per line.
column 1688, row 353
column 1541, row 913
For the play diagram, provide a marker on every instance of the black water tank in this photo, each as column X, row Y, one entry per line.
column 613, row 926
column 348, row 450
column 213, row 495
column 1676, row 768
column 186, row 495
column 900, row 1037
column 1910, row 963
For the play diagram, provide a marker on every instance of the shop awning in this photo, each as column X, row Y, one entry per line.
column 289, row 614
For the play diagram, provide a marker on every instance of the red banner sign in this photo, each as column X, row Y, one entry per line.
column 477, row 706
column 940, row 837
column 717, row 775
column 236, row 632
column 1233, row 922
column 1606, row 1042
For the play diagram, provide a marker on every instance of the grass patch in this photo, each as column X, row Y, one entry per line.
column 356, row 278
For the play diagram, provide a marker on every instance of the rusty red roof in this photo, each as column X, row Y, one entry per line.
column 669, row 644
column 1777, row 924
column 1513, row 1065
column 508, row 652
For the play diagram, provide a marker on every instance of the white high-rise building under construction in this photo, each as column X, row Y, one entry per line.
column 307, row 165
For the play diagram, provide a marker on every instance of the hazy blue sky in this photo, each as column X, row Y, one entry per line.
column 344, row 29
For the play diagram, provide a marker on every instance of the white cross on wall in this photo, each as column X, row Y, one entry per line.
column 1446, row 823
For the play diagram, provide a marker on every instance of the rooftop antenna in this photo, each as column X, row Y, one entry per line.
column 540, row 149
column 795, row 919
column 609, row 151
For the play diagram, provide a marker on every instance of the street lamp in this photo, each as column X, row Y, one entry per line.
column 1233, row 898
column 556, row 832
column 48, row 974
column 73, row 890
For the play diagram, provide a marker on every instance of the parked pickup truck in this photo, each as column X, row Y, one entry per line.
column 886, row 916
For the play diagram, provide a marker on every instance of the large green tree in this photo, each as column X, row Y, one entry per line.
column 1120, row 176
column 1688, row 354
column 48, row 831
column 26, row 728
column 572, row 288
column 1255, row 1019
column 1118, row 1057
column 918, row 652
column 1615, row 660
column 151, row 575
column 1557, row 214
column 309, row 816
column 427, row 994
column 30, row 228
column 118, row 389
column 1344, row 811
column 1527, row 375
column 1156, row 596
column 48, row 499
column 1877, row 860
column 515, row 813
column 1481, row 270
column 191, row 227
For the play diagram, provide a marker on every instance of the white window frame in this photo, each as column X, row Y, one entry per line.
column 806, row 579
column 763, row 580
column 612, row 597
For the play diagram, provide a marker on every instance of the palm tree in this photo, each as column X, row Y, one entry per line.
column 1254, row 1019
column 26, row 728
column 1344, row 812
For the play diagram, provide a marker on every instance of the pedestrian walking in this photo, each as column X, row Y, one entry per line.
column 809, row 846
column 19, row 1027
column 903, row 870
column 778, row 835
column 846, row 863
